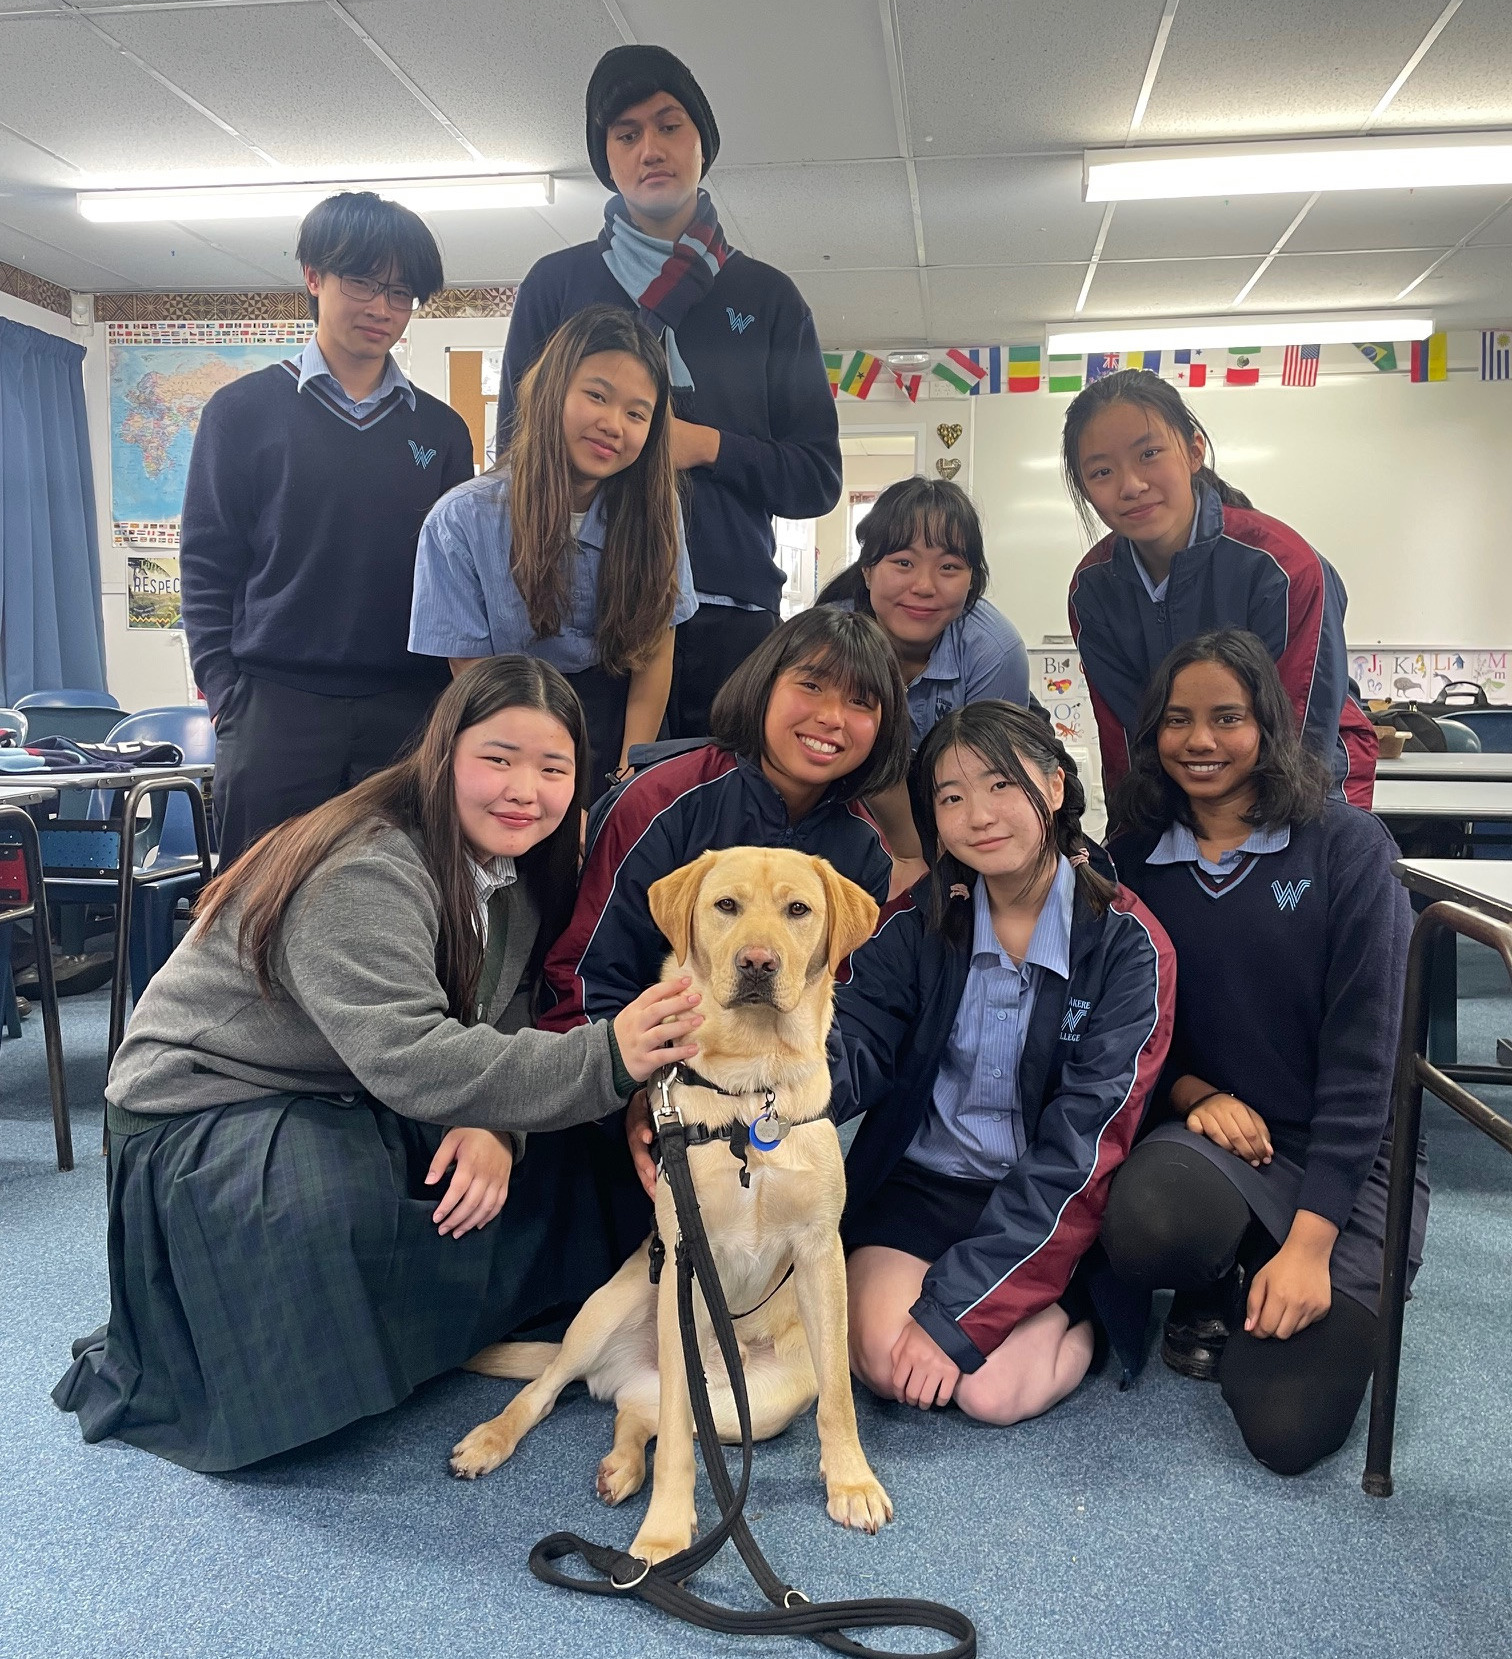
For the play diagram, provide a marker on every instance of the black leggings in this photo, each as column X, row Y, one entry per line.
column 1174, row 1222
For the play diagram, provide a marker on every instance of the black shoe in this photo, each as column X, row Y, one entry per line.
column 1200, row 1323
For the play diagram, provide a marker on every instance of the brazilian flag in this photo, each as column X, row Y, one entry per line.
column 1380, row 352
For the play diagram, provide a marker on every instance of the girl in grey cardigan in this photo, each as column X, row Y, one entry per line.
column 347, row 1021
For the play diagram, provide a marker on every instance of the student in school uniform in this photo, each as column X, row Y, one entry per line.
column 1261, row 1197
column 1002, row 1032
column 317, row 1116
column 1186, row 552
column 813, row 720
column 308, row 484
column 570, row 547
column 754, row 424
column 922, row 573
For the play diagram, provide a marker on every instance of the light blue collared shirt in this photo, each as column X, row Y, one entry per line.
column 1179, row 846
column 1157, row 591
column 973, row 1127
column 466, row 603
column 313, row 366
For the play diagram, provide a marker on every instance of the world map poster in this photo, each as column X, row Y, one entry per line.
column 158, row 388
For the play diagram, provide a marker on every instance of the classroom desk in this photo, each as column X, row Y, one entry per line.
column 1442, row 797
column 1461, row 768
column 15, row 802
column 1472, row 898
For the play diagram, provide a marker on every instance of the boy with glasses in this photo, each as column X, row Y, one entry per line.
column 308, row 484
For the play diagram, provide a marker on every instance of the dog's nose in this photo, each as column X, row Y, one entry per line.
column 756, row 962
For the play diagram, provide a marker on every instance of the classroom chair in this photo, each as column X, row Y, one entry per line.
column 14, row 722
column 1488, row 838
column 1492, row 726
column 67, row 698
column 1458, row 737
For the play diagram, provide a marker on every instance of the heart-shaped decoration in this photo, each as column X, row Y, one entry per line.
column 950, row 434
column 947, row 467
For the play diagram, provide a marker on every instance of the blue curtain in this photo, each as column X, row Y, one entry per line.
column 52, row 631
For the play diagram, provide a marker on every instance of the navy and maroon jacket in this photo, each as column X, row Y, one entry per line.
column 1094, row 1050
column 666, row 816
column 1243, row 570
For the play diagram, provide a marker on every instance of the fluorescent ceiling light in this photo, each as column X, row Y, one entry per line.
column 1206, row 333
column 1296, row 166
column 293, row 201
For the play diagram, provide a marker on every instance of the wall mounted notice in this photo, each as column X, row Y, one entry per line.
column 152, row 593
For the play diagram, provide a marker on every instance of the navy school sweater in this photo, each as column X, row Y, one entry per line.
column 759, row 377
column 297, row 553
column 1290, row 991
column 1092, row 1056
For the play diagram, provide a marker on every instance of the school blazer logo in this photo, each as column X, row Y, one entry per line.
column 739, row 324
column 1076, row 1012
column 1289, row 893
column 423, row 457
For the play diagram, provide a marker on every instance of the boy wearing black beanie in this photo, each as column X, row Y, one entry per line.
column 755, row 424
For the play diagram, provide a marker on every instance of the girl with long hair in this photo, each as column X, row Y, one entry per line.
column 922, row 574
column 570, row 548
column 347, row 1021
column 1185, row 553
column 1261, row 1198
column 1002, row 1031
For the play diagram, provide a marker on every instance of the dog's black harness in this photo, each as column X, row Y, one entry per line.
column 792, row 1613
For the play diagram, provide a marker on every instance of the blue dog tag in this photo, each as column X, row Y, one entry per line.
column 766, row 1132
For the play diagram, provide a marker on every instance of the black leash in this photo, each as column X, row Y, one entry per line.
column 792, row 1613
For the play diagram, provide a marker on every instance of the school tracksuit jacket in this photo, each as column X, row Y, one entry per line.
column 1095, row 1047
column 664, row 817
column 1243, row 570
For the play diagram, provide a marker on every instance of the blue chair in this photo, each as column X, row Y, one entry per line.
column 1492, row 726
column 67, row 699
column 1459, row 738
column 169, row 839
column 14, row 723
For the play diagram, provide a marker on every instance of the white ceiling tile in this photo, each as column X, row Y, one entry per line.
column 1199, row 229
column 1475, row 284
column 971, row 308
column 872, row 308
column 577, row 209
column 512, row 77
column 1466, row 79
column 1276, row 67
column 1018, row 211
column 1370, row 219
column 789, row 80
column 47, row 259
column 1498, row 234
column 62, row 86
column 1164, row 287
column 1319, row 281
column 318, row 97
column 802, row 218
column 484, row 249
column 987, row 77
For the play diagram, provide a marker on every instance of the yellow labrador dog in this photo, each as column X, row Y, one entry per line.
column 762, row 932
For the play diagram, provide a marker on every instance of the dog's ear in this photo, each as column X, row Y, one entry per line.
column 672, row 900
column 852, row 913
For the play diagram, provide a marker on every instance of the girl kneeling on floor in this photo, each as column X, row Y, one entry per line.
column 347, row 1021
column 1262, row 1199
column 1002, row 1032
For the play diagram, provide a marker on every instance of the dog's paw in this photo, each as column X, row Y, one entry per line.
column 482, row 1451
column 655, row 1541
column 621, row 1475
column 861, row 1504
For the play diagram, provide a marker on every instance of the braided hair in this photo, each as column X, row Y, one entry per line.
column 1010, row 740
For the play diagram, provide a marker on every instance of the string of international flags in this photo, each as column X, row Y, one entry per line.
column 976, row 370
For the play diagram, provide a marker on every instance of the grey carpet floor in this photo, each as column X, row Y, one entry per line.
column 1120, row 1524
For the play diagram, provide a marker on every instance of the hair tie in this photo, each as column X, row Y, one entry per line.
column 959, row 890
column 1083, row 857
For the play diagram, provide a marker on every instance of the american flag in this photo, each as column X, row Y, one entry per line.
column 1299, row 366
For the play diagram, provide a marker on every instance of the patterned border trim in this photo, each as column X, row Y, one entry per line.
column 275, row 306
column 151, row 532
column 35, row 290
column 202, row 331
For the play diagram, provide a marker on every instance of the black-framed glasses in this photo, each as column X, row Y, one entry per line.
column 395, row 294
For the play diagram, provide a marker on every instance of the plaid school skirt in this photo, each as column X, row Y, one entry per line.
column 275, row 1274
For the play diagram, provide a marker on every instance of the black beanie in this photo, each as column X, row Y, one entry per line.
column 627, row 75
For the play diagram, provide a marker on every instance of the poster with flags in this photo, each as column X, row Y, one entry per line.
column 1066, row 371
column 1243, row 366
column 1299, row 365
column 958, row 371
column 1380, row 352
column 1188, row 368
column 1496, row 354
column 1430, row 358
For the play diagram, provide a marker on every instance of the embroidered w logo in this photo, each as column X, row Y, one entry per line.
column 423, row 457
column 1289, row 894
column 738, row 323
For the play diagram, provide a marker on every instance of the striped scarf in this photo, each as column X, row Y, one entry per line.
column 665, row 279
